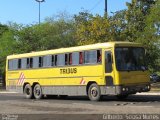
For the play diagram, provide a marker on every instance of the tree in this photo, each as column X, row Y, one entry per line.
column 48, row 35
column 118, row 25
column 137, row 28
column 136, row 15
column 3, row 28
column 151, row 36
column 92, row 29
column 6, row 48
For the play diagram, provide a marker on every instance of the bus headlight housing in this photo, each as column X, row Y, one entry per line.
column 123, row 89
column 147, row 87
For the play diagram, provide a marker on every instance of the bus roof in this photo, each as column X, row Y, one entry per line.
column 74, row 49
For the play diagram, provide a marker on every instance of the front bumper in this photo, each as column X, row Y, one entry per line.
column 132, row 89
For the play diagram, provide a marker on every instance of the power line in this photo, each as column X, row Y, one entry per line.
column 96, row 5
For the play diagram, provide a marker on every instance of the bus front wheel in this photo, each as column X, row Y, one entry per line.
column 28, row 91
column 37, row 91
column 94, row 92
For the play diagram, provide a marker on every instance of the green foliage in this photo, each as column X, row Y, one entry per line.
column 118, row 25
column 6, row 47
column 151, row 36
column 136, row 15
column 3, row 28
column 140, row 22
column 92, row 29
column 48, row 35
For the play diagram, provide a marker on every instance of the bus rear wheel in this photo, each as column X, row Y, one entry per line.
column 94, row 92
column 37, row 91
column 28, row 91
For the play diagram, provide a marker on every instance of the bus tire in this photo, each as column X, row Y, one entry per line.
column 94, row 92
column 28, row 91
column 37, row 91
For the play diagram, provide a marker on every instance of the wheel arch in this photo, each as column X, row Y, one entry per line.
column 25, row 85
column 88, row 84
column 34, row 83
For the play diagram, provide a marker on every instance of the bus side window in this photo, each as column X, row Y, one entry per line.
column 35, row 62
column 10, row 64
column 28, row 63
column 52, row 61
column 55, row 60
column 66, row 59
column 81, row 57
column 108, row 62
column 24, row 63
column 99, row 56
column 90, row 57
column 60, row 59
column 31, row 63
column 75, row 58
column 15, row 64
column 19, row 63
column 70, row 58
column 47, row 61
column 40, row 61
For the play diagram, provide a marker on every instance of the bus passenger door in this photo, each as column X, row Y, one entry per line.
column 109, row 72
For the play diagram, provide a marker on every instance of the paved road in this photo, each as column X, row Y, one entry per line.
column 77, row 107
column 13, row 103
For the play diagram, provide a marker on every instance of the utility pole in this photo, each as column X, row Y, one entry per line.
column 40, row 1
column 106, row 6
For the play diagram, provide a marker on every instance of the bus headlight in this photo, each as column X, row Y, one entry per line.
column 123, row 89
column 148, row 87
column 127, row 89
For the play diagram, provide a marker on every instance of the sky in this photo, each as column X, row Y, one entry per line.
column 27, row 11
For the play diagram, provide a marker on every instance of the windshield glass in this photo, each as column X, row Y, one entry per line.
column 130, row 58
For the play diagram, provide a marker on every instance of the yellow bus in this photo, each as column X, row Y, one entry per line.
column 111, row 68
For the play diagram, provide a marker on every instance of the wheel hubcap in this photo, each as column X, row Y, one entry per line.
column 37, row 91
column 94, row 92
column 28, row 91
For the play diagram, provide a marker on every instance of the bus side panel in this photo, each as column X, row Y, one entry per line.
column 64, row 90
column 12, row 87
column 54, row 81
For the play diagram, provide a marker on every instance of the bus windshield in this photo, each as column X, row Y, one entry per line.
column 130, row 58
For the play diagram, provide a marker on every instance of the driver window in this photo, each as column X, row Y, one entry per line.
column 108, row 62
